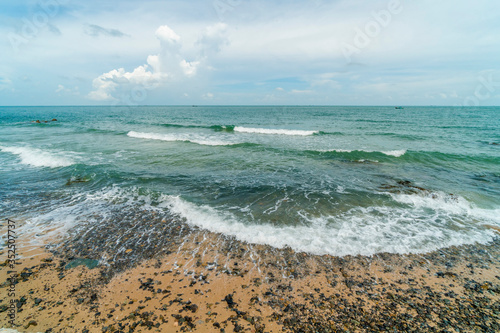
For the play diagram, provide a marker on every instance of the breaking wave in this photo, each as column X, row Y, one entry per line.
column 40, row 158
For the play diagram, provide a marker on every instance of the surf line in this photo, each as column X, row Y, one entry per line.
column 12, row 272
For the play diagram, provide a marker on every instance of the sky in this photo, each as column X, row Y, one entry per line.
column 250, row 52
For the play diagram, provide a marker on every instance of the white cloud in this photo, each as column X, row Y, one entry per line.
column 297, row 91
column 63, row 89
column 166, row 34
column 189, row 68
column 118, row 80
column 169, row 68
column 213, row 39
column 60, row 88
column 287, row 45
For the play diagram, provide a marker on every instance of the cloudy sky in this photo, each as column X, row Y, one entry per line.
column 338, row 52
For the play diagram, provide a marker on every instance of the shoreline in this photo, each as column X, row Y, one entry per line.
column 205, row 282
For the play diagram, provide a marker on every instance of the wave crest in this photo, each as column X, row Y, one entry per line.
column 273, row 131
column 183, row 138
column 39, row 158
column 364, row 231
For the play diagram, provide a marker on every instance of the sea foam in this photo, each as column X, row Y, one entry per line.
column 361, row 230
column 39, row 158
column 206, row 141
column 273, row 131
column 421, row 224
column 395, row 153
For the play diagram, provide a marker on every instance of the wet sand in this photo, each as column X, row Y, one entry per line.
column 204, row 282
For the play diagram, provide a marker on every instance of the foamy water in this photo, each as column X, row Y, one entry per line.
column 274, row 131
column 39, row 158
column 206, row 141
column 364, row 231
column 395, row 153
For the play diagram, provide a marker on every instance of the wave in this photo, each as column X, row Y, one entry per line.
column 418, row 223
column 395, row 153
column 39, row 158
column 359, row 153
column 183, row 138
column 216, row 128
column 409, row 137
column 103, row 131
column 273, row 131
column 223, row 128
column 410, row 156
column 242, row 129
column 182, row 126
column 361, row 230
column 448, row 205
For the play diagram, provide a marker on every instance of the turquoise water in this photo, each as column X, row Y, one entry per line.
column 325, row 180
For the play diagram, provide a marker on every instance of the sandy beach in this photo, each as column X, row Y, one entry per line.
column 211, row 283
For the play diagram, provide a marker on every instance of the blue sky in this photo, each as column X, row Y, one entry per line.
column 128, row 52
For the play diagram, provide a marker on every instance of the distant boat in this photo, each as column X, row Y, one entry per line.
column 399, row 108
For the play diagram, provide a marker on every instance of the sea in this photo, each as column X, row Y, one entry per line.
column 337, row 180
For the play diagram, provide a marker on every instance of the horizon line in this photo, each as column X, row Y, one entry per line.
column 263, row 105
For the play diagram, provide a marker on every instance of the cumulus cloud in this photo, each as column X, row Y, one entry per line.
column 171, row 66
column 96, row 31
column 62, row 89
column 167, row 35
column 213, row 39
column 189, row 68
column 118, row 80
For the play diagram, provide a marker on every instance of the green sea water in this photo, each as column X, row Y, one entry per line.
column 325, row 180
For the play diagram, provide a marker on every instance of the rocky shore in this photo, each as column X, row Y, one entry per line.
column 181, row 279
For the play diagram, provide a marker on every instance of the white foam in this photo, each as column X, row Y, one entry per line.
column 339, row 150
column 40, row 158
column 206, row 141
column 449, row 205
column 273, row 131
column 396, row 153
column 420, row 223
column 55, row 223
column 364, row 231
column 341, row 189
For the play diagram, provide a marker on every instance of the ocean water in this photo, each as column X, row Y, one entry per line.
column 324, row 180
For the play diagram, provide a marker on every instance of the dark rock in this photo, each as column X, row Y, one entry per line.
column 229, row 301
